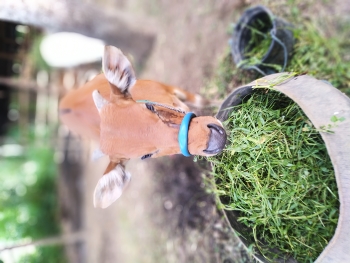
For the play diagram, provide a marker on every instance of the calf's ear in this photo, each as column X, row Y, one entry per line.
column 111, row 186
column 118, row 70
column 98, row 100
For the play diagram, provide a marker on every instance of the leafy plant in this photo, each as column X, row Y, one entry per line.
column 28, row 201
column 49, row 254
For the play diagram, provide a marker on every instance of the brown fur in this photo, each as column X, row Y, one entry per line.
column 126, row 128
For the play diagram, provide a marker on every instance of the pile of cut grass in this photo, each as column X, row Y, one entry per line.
column 256, row 156
column 258, row 46
column 276, row 172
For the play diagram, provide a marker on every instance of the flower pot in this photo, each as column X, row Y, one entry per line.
column 320, row 102
column 280, row 46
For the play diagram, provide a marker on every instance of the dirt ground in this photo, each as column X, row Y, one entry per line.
column 165, row 214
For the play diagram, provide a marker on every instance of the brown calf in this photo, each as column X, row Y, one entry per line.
column 136, row 119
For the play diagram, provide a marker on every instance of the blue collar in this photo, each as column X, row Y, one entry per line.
column 183, row 133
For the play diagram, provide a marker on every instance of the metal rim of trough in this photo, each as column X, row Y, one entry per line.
column 320, row 101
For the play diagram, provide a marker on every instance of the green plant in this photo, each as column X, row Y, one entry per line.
column 335, row 120
column 49, row 254
column 28, row 201
column 320, row 56
column 35, row 54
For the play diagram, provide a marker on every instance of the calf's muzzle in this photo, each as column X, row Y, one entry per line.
column 217, row 139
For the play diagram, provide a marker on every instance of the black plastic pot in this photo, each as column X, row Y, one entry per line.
column 320, row 101
column 279, row 49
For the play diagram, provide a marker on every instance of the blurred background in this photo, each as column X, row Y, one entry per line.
column 167, row 214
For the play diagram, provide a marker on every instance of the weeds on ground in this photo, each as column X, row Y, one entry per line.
column 315, row 53
column 321, row 57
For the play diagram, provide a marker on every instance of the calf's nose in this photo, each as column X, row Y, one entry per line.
column 217, row 139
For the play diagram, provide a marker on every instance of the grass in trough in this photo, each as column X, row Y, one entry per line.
column 275, row 169
column 276, row 172
column 258, row 46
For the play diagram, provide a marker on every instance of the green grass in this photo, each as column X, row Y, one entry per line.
column 319, row 51
column 258, row 45
column 276, row 172
column 320, row 56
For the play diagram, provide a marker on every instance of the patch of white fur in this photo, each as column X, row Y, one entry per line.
column 180, row 94
column 110, row 187
column 198, row 101
column 99, row 101
column 118, row 69
column 97, row 154
column 220, row 122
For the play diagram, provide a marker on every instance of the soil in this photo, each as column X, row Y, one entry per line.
column 166, row 213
